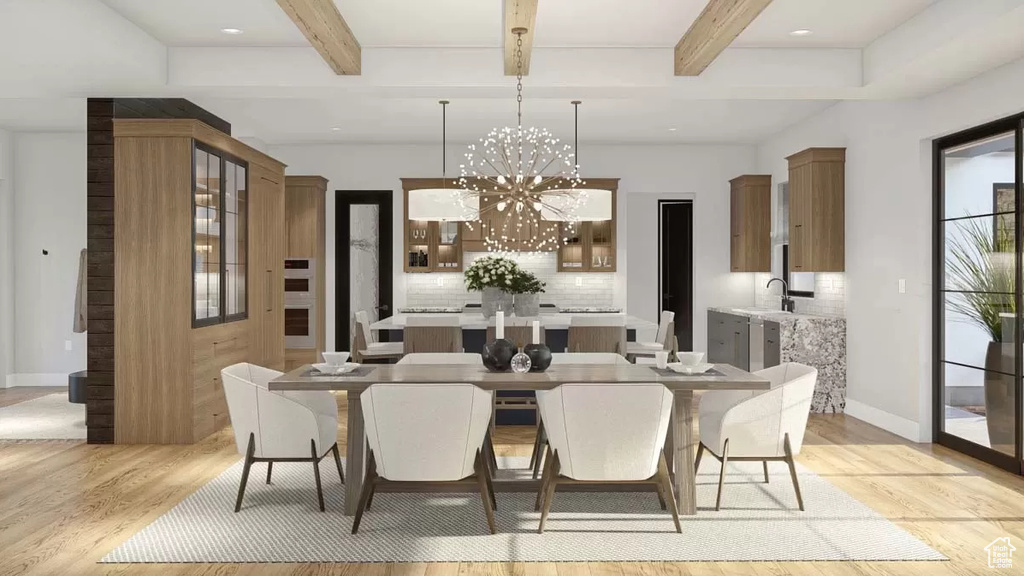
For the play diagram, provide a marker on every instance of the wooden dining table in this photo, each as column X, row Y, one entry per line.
column 681, row 441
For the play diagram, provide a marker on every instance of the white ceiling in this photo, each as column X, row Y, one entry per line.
column 616, row 55
column 478, row 23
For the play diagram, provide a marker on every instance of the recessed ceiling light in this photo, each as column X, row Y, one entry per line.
column 231, row 30
column 800, row 32
column 335, row 129
column 671, row 129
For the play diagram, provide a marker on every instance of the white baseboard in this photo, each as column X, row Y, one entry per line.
column 36, row 380
column 896, row 424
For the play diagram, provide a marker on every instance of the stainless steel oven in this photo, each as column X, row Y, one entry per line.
column 300, row 303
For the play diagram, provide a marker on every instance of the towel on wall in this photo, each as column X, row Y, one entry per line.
column 81, row 298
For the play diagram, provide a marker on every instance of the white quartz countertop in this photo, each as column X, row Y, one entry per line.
column 476, row 321
column 773, row 315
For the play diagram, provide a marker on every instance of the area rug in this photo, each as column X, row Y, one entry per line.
column 758, row 522
column 49, row 417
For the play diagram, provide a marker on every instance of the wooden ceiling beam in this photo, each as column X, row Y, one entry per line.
column 713, row 31
column 322, row 24
column 519, row 14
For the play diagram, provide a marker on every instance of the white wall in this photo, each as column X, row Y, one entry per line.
column 50, row 214
column 888, row 233
column 646, row 172
column 6, row 256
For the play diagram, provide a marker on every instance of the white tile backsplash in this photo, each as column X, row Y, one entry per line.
column 594, row 289
column 829, row 294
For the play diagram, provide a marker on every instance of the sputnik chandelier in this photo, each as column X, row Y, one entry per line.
column 524, row 182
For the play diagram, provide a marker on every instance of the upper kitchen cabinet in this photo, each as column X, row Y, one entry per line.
column 750, row 227
column 198, row 271
column 431, row 245
column 817, row 210
column 590, row 245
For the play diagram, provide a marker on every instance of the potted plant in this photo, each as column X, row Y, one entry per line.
column 526, row 289
column 492, row 277
column 980, row 271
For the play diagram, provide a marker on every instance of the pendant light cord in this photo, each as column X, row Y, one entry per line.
column 444, row 143
column 576, row 133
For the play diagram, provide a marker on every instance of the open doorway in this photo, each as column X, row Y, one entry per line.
column 675, row 265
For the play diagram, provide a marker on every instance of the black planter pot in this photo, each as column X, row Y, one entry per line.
column 497, row 355
column 540, row 356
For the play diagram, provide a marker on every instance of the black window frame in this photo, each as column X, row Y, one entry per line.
column 222, row 317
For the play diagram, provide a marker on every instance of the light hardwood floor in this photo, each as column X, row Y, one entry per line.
column 64, row 506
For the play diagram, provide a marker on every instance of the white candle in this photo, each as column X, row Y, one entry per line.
column 499, row 325
column 536, row 331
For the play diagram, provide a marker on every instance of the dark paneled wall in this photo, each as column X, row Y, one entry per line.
column 100, row 189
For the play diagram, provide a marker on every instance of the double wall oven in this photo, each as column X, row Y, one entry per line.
column 300, row 303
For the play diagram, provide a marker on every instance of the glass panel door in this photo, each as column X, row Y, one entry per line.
column 978, row 353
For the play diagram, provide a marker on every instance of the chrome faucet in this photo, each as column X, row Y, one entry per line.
column 787, row 303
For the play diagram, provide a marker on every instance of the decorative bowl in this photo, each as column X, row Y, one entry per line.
column 335, row 358
column 690, row 358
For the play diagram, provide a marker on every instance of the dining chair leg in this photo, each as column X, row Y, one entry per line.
column 549, row 490
column 270, row 469
column 492, row 456
column 337, row 461
column 486, row 497
column 721, row 475
column 316, row 472
column 661, row 495
column 544, row 479
column 700, row 452
column 490, row 490
column 369, row 484
column 666, row 486
column 765, row 464
column 792, row 472
column 542, row 442
column 250, row 450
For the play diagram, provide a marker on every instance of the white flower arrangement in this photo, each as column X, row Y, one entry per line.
column 491, row 272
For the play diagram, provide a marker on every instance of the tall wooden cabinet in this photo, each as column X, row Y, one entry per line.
column 750, row 223
column 305, row 211
column 817, row 210
column 166, row 364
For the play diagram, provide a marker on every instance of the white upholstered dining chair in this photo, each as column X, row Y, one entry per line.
column 427, row 433
column 739, row 425
column 299, row 426
column 366, row 347
column 606, row 433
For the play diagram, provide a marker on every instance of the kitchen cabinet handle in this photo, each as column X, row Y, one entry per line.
column 798, row 225
column 270, row 290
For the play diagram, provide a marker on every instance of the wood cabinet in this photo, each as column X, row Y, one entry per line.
column 750, row 223
column 168, row 371
column 305, row 213
column 432, row 246
column 266, row 273
column 592, row 245
column 817, row 210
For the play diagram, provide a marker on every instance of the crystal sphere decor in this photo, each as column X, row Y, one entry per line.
column 521, row 363
column 497, row 355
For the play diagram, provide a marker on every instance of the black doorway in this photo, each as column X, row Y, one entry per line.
column 675, row 265
column 369, row 207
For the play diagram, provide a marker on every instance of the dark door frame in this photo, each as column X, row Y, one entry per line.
column 684, row 326
column 1015, row 124
column 344, row 200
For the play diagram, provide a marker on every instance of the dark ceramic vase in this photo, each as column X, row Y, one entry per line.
column 497, row 355
column 540, row 357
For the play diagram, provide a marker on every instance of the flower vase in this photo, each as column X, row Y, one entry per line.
column 494, row 299
column 527, row 305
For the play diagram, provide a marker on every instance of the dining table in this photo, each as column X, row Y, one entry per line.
column 680, row 441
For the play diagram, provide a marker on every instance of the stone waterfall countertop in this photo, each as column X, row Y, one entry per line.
column 814, row 340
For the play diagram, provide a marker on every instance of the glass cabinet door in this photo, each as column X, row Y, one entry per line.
column 206, row 243
column 220, row 238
